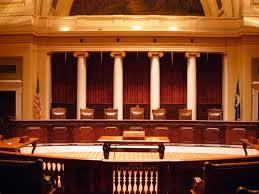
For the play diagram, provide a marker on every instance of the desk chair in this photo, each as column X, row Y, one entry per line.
column 185, row 114
column 86, row 113
column 58, row 113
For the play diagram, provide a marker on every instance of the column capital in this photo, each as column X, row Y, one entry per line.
column 189, row 54
column 118, row 53
column 157, row 53
column 81, row 54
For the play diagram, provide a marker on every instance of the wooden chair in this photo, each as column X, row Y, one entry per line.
column 185, row 114
column 226, row 177
column 159, row 114
column 215, row 114
column 23, row 177
column 136, row 112
column 59, row 113
column 110, row 113
column 87, row 113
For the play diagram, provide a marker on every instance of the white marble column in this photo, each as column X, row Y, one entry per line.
column 154, row 81
column 191, row 83
column 118, row 82
column 81, row 81
column 224, row 86
column 48, row 79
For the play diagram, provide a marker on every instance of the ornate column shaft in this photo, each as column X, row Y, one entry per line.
column 191, row 83
column 48, row 86
column 154, row 81
column 81, row 81
column 118, row 82
column 224, row 86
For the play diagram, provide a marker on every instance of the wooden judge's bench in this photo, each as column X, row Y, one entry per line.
column 178, row 131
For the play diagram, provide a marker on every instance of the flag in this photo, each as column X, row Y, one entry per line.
column 237, row 102
column 36, row 103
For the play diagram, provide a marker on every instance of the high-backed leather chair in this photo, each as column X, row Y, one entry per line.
column 110, row 113
column 87, row 113
column 185, row 114
column 59, row 113
column 215, row 114
column 136, row 112
column 159, row 114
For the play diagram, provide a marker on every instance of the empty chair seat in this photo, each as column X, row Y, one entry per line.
column 59, row 113
column 87, row 113
column 185, row 114
column 159, row 114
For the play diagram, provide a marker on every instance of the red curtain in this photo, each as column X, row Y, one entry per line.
column 100, row 78
column 64, row 75
column 173, row 78
column 209, row 79
column 136, row 78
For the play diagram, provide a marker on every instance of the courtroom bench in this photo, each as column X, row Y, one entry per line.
column 225, row 178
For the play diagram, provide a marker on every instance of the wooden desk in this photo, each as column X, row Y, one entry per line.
column 13, row 144
column 246, row 143
column 108, row 140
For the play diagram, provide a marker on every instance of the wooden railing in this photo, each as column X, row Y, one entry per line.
column 72, row 176
column 82, row 131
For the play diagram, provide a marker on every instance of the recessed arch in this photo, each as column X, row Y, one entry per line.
column 210, row 7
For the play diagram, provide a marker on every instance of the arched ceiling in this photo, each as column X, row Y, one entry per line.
column 137, row 7
column 188, row 7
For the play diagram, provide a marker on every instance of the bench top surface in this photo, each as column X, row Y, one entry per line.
column 13, row 143
column 146, row 140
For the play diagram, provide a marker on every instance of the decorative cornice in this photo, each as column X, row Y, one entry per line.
column 189, row 54
column 118, row 53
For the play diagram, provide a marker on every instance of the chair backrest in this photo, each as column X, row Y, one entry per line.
column 215, row 114
column 159, row 114
column 87, row 113
column 226, row 177
column 185, row 114
column 59, row 113
column 110, row 113
column 23, row 177
column 136, row 112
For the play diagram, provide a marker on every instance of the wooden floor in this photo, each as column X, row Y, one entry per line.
column 172, row 152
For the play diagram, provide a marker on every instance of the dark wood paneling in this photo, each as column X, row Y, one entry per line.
column 59, row 134
column 178, row 131
column 213, row 135
column 37, row 132
column 84, row 134
column 186, row 135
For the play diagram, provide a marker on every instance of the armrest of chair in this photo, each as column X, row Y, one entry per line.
column 197, row 186
column 242, row 190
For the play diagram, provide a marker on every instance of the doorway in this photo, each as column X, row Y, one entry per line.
column 7, row 104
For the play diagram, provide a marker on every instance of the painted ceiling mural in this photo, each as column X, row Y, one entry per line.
column 137, row 7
